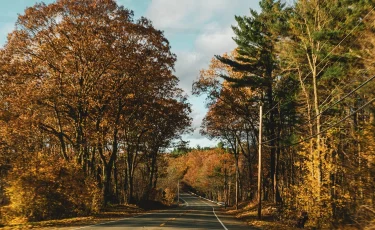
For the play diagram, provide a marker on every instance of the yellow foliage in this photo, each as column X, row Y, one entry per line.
column 49, row 189
column 169, row 195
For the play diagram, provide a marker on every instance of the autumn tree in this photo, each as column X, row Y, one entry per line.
column 84, row 81
column 208, row 172
column 231, row 116
column 322, row 54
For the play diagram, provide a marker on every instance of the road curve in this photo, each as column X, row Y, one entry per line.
column 196, row 213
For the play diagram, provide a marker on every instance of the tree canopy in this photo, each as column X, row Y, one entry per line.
column 85, row 83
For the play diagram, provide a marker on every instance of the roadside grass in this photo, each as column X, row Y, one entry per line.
column 248, row 212
column 110, row 213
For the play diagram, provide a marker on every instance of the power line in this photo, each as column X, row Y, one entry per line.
column 346, row 96
column 340, row 42
column 325, row 67
column 341, row 81
column 331, row 126
column 265, row 142
column 333, row 50
column 272, row 108
column 337, row 102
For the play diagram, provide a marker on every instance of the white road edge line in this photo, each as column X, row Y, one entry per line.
column 187, row 204
column 213, row 209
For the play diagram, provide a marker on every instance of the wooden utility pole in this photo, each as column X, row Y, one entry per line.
column 237, row 184
column 237, row 188
column 178, row 192
column 260, row 164
column 225, row 185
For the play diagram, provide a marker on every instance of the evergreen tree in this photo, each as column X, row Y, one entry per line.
column 256, row 38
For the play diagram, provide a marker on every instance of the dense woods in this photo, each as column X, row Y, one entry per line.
column 310, row 65
column 88, row 102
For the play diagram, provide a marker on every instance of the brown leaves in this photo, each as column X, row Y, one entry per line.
column 229, row 108
column 205, row 170
column 83, row 81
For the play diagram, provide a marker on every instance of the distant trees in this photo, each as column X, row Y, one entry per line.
column 82, row 81
column 209, row 172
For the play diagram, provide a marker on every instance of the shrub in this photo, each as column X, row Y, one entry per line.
column 50, row 189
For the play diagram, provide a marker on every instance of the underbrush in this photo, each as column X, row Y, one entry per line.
column 152, row 205
column 275, row 218
column 109, row 213
column 248, row 212
column 46, row 189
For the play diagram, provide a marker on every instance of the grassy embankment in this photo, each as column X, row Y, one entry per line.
column 108, row 214
column 248, row 212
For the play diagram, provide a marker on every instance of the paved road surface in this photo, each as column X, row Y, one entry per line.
column 195, row 214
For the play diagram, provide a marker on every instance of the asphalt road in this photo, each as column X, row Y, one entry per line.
column 196, row 213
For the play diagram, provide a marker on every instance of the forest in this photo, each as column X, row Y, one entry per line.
column 90, row 108
column 310, row 68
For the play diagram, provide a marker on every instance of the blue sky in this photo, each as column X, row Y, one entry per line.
column 196, row 29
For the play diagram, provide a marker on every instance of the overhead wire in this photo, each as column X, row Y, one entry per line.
column 325, row 67
column 326, row 64
column 337, row 102
column 331, row 126
column 342, row 40
column 272, row 108
column 346, row 96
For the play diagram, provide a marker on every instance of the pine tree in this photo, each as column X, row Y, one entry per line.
column 256, row 37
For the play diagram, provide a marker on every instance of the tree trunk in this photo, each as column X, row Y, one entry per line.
column 107, row 171
column 153, row 169
column 271, row 128
column 130, row 170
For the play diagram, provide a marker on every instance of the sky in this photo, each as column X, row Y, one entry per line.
column 196, row 29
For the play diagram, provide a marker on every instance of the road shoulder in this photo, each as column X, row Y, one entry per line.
column 110, row 214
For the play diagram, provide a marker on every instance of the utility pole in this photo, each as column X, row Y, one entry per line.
column 260, row 163
column 225, row 185
column 178, row 192
column 237, row 184
column 237, row 188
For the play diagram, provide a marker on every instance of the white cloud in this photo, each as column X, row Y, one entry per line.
column 210, row 21
column 169, row 13
column 187, row 68
column 198, row 114
column 187, row 14
column 216, row 41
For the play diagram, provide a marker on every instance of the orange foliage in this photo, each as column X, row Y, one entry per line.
column 206, row 169
column 49, row 188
